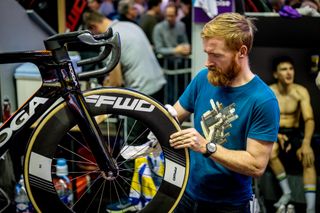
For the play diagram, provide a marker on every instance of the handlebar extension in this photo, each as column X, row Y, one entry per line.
column 113, row 46
column 108, row 40
column 78, row 37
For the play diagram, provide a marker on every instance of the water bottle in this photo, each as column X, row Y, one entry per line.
column 21, row 199
column 62, row 182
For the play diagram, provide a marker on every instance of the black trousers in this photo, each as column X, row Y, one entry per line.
column 188, row 205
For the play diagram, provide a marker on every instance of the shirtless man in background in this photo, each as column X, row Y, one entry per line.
column 294, row 101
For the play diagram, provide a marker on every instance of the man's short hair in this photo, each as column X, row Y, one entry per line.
column 186, row 2
column 173, row 6
column 90, row 17
column 153, row 3
column 281, row 59
column 124, row 6
column 236, row 29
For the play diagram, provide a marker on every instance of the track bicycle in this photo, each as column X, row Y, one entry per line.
column 59, row 119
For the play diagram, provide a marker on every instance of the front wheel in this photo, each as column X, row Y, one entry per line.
column 150, row 178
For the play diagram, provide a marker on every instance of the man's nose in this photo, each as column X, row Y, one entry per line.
column 209, row 63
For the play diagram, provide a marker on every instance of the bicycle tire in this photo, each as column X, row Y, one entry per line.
column 58, row 122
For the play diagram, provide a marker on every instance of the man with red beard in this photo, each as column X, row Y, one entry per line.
column 293, row 148
column 236, row 121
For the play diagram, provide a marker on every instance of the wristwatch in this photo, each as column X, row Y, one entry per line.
column 211, row 148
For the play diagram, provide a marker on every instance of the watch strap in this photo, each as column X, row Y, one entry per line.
column 209, row 153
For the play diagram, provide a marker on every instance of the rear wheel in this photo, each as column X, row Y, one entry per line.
column 154, row 181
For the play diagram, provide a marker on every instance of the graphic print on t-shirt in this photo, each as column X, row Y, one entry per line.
column 214, row 122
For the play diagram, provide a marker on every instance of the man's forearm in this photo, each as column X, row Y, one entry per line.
column 308, row 130
column 241, row 162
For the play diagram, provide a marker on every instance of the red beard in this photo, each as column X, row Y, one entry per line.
column 219, row 77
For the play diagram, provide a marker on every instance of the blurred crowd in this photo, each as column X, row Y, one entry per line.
column 166, row 23
column 285, row 8
column 155, row 35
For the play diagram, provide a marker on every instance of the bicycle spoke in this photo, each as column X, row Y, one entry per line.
column 126, row 139
column 83, row 172
column 134, row 156
column 126, row 170
column 80, row 162
column 125, row 178
column 143, row 174
column 131, row 144
column 122, row 189
column 117, row 193
column 118, row 132
column 86, row 173
column 110, row 191
column 126, row 194
column 102, row 186
column 76, row 154
column 89, row 187
column 78, row 141
column 131, row 188
column 108, row 135
column 101, row 197
column 131, row 170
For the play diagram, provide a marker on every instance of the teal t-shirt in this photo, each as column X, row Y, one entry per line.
column 258, row 111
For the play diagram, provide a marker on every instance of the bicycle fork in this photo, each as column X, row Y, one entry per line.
column 93, row 136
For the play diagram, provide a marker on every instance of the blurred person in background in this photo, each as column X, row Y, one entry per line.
column 294, row 102
column 186, row 7
column 169, row 36
column 127, row 11
column 141, row 6
column 150, row 18
column 105, row 7
column 138, row 68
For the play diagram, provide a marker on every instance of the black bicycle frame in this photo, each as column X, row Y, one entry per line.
column 59, row 83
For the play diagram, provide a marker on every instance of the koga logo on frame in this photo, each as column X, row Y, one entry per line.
column 20, row 119
column 120, row 103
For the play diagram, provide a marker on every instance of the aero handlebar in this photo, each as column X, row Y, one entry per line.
column 109, row 43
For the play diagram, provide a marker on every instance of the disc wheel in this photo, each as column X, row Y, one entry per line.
column 152, row 180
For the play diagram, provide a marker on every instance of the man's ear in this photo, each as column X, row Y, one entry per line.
column 243, row 51
column 275, row 75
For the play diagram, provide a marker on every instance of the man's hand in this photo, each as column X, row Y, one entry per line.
column 150, row 146
column 306, row 155
column 182, row 49
column 282, row 138
column 188, row 138
column 173, row 112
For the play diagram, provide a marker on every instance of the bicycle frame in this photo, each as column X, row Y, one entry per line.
column 59, row 83
column 59, row 104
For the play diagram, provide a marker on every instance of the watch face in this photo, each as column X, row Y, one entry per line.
column 211, row 147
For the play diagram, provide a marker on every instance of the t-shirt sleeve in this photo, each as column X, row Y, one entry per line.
column 265, row 121
column 188, row 98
